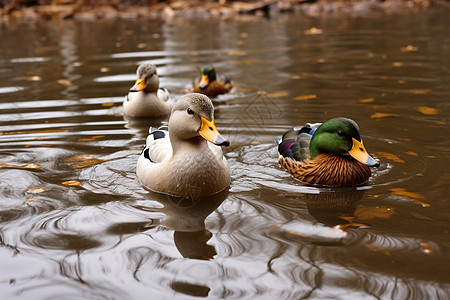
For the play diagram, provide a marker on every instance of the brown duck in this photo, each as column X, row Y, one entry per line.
column 209, row 84
column 330, row 154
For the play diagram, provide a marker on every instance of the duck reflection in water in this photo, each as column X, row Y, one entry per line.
column 186, row 216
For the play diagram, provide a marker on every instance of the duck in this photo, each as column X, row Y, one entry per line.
column 184, row 158
column 211, row 85
column 328, row 154
column 145, row 98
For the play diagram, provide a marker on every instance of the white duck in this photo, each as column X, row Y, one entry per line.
column 178, row 160
column 145, row 98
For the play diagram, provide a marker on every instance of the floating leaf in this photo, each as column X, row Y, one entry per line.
column 236, row 53
column 391, row 156
column 29, row 201
column 36, row 190
column 306, row 97
column 65, row 82
column 107, row 104
column 379, row 115
column 89, row 162
column 31, row 166
column 398, row 64
column 79, row 157
column 431, row 156
column 71, row 183
column 276, row 95
column 104, row 69
column 367, row 100
column 420, row 91
column 412, row 153
column 77, row 64
column 415, row 196
column 255, row 143
column 427, row 110
column 91, row 138
column 34, row 78
column 313, row 31
column 409, row 48
column 5, row 165
column 426, row 248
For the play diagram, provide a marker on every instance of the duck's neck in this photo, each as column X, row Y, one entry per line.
column 193, row 145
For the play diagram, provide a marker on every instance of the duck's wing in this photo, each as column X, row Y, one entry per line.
column 163, row 94
column 295, row 142
column 158, row 147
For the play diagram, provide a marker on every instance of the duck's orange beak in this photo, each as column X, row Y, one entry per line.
column 210, row 133
column 204, row 81
column 139, row 85
column 359, row 153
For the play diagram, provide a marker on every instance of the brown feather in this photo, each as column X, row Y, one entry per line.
column 213, row 89
column 328, row 169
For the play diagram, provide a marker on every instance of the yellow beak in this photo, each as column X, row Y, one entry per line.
column 204, row 81
column 210, row 133
column 139, row 85
column 359, row 153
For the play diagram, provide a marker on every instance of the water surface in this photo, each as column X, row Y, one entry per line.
column 101, row 235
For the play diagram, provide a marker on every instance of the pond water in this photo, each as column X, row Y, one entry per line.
column 76, row 224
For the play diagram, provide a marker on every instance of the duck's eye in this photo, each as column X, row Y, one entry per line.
column 190, row 111
column 340, row 133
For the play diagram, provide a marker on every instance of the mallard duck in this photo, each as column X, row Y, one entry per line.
column 178, row 160
column 211, row 85
column 145, row 98
column 330, row 154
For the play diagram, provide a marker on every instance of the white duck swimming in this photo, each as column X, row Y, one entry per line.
column 178, row 160
column 145, row 98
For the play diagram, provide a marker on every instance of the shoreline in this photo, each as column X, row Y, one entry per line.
column 79, row 10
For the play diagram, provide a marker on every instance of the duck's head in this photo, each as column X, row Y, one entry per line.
column 147, row 79
column 192, row 117
column 340, row 136
column 208, row 75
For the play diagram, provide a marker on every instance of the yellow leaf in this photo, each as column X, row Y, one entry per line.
column 415, row 196
column 34, row 78
column 236, row 53
column 409, row 48
column 379, row 115
column 391, row 156
column 107, row 104
column 276, row 95
column 368, row 100
column 104, row 69
column 420, row 91
column 65, row 82
column 412, row 153
column 5, row 165
column 88, row 162
column 31, row 166
column 431, row 156
column 313, row 31
column 306, row 97
column 427, row 110
column 79, row 157
column 71, row 183
column 398, row 64
column 29, row 201
column 91, row 138
column 426, row 247
column 36, row 191
column 77, row 64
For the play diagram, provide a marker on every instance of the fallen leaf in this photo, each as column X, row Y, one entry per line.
column 65, row 82
column 104, row 69
column 398, row 64
column 236, row 53
column 79, row 157
column 34, row 78
column 405, row 193
column 107, row 104
column 426, row 248
column 36, row 191
column 255, row 143
column 77, row 64
column 409, row 48
column 379, row 115
column 88, row 162
column 391, row 156
column 276, row 95
column 431, row 156
column 306, row 97
column 427, row 110
column 31, row 166
column 71, row 183
column 313, row 31
column 420, row 91
column 91, row 138
column 29, row 201
column 5, row 165
column 368, row 100
column 411, row 153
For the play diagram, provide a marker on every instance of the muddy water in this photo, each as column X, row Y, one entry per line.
column 76, row 224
